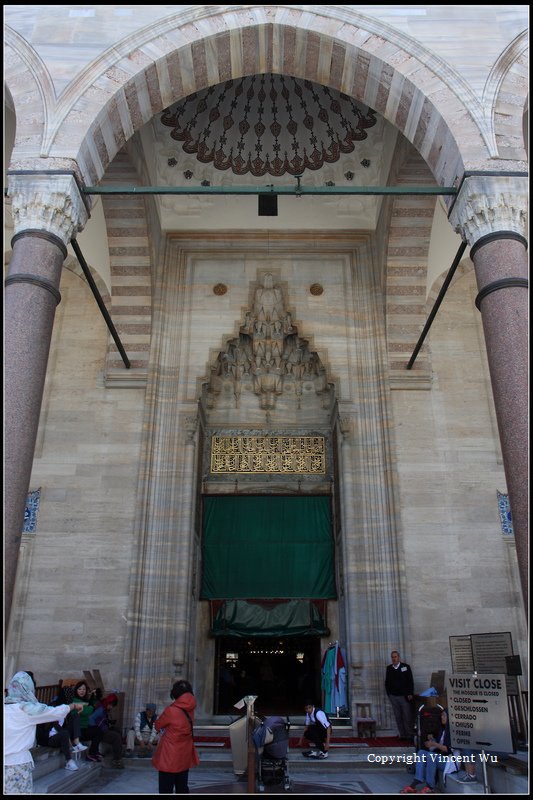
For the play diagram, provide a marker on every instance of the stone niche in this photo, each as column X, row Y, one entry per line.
column 268, row 375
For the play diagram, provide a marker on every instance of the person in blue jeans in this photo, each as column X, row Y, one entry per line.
column 436, row 755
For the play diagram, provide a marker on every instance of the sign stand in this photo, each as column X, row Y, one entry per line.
column 486, row 789
column 250, row 700
column 478, row 714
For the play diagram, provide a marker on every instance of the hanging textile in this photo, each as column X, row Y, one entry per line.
column 334, row 687
column 267, row 547
column 295, row 618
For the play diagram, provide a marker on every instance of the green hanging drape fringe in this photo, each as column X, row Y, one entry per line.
column 267, row 547
column 294, row 618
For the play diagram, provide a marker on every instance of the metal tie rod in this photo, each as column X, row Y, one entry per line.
column 438, row 301
column 270, row 189
column 101, row 304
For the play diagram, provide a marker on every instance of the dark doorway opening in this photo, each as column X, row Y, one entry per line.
column 283, row 672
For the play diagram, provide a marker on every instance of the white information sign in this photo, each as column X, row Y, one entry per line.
column 478, row 712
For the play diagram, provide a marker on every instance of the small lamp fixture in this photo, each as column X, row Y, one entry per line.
column 349, row 176
column 187, row 174
column 172, row 162
column 365, row 162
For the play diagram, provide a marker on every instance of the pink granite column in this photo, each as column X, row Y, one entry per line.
column 502, row 271
column 31, row 297
column 48, row 208
column 490, row 213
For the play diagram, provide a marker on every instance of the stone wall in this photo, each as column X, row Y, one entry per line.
column 461, row 572
column 86, row 466
column 76, row 570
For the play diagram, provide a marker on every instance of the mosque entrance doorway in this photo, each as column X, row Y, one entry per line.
column 283, row 672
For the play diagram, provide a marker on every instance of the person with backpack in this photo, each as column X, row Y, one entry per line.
column 317, row 731
column 176, row 753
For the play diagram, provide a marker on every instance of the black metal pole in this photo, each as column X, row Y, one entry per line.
column 101, row 304
column 438, row 301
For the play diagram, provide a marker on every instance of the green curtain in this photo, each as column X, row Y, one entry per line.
column 267, row 547
column 294, row 618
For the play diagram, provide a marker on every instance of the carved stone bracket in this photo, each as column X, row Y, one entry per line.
column 48, row 202
column 490, row 204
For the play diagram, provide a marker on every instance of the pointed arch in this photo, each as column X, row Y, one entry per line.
column 140, row 76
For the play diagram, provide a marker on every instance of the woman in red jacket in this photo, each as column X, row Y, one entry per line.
column 176, row 753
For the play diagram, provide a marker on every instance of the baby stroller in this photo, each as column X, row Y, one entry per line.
column 427, row 721
column 271, row 741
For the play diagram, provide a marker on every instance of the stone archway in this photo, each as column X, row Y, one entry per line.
column 182, row 54
column 85, row 130
column 509, row 85
column 296, row 44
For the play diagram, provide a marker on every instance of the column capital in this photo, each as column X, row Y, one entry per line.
column 47, row 202
column 190, row 425
column 490, row 204
column 347, row 428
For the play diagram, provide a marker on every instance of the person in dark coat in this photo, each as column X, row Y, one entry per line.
column 176, row 753
column 399, row 686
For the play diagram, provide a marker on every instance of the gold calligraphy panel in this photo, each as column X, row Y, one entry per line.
column 281, row 455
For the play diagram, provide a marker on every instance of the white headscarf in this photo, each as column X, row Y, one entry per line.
column 21, row 690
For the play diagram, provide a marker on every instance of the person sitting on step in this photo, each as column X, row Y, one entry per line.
column 437, row 754
column 72, row 721
column 87, row 700
column 54, row 734
column 99, row 720
column 144, row 733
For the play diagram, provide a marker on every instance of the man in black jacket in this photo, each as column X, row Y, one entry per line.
column 400, row 689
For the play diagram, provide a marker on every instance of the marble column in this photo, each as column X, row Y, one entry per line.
column 490, row 214
column 160, row 588
column 185, row 533
column 47, row 210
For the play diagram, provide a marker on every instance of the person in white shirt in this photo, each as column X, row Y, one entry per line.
column 317, row 731
column 22, row 713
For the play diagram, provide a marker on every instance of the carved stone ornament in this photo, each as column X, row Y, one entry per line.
column 346, row 425
column 50, row 203
column 489, row 204
column 269, row 353
column 190, row 425
column 316, row 289
column 220, row 288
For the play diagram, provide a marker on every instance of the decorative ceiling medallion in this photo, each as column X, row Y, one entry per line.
column 268, row 124
column 316, row 289
column 220, row 288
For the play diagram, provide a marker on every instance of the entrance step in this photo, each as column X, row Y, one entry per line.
column 351, row 756
column 62, row 781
